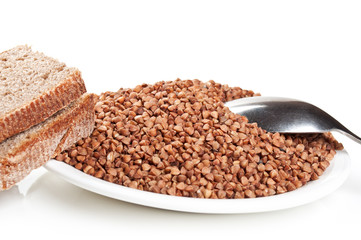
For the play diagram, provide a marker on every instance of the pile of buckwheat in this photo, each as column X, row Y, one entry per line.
column 178, row 138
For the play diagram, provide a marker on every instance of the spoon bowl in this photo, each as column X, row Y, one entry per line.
column 287, row 115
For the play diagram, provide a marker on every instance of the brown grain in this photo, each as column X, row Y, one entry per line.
column 178, row 138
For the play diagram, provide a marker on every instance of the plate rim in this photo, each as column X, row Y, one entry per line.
column 334, row 176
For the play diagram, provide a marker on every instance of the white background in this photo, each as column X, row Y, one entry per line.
column 309, row 50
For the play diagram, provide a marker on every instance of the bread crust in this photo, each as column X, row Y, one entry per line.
column 42, row 107
column 53, row 138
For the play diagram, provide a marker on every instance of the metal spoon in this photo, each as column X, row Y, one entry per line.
column 286, row 115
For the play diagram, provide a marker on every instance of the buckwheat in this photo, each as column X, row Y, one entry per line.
column 178, row 138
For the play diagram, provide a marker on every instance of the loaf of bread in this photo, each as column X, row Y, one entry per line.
column 28, row 150
column 32, row 88
column 43, row 110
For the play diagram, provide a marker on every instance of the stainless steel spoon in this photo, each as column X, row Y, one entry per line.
column 287, row 115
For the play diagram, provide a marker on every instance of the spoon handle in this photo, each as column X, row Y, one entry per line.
column 350, row 134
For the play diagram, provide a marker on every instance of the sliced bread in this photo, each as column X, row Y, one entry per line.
column 32, row 88
column 30, row 149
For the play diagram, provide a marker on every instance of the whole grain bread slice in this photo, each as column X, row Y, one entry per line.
column 32, row 88
column 28, row 150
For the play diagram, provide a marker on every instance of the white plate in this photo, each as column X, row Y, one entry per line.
column 333, row 178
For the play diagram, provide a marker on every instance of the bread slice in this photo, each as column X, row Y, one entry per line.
column 28, row 150
column 32, row 88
